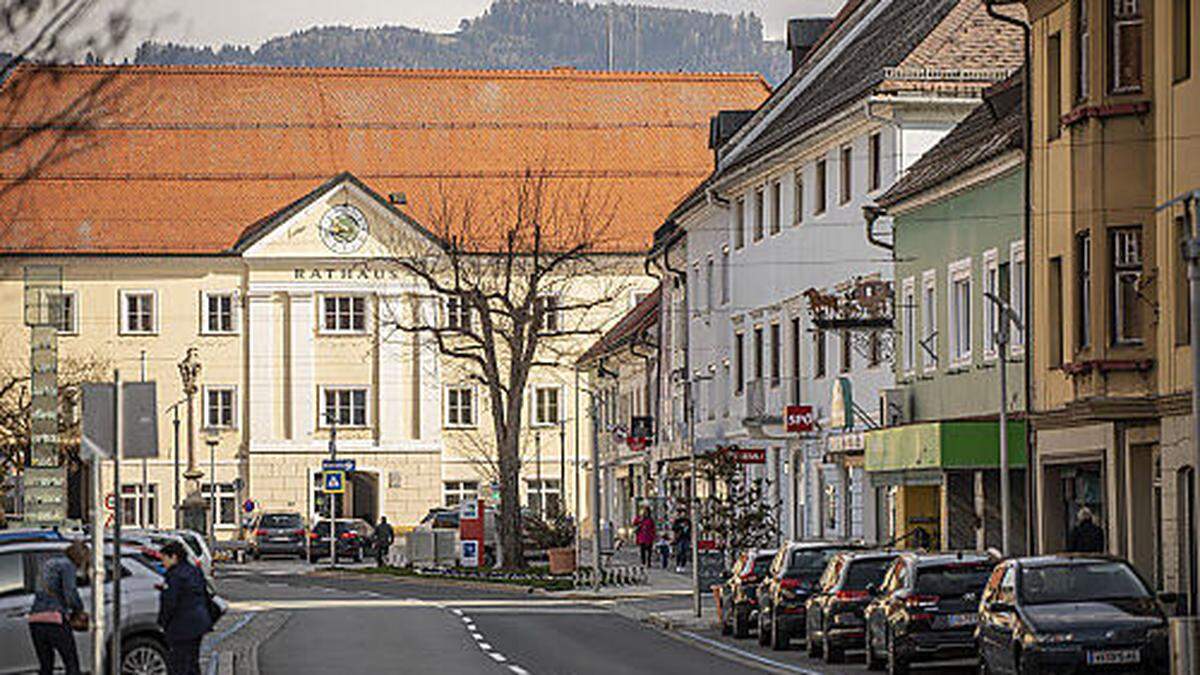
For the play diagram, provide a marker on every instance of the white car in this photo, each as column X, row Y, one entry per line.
column 143, row 651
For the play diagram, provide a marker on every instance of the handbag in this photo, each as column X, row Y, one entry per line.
column 215, row 611
column 79, row 621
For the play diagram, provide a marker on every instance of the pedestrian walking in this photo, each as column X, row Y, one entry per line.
column 664, row 549
column 681, row 532
column 1086, row 536
column 384, row 536
column 183, row 610
column 58, row 610
column 646, row 532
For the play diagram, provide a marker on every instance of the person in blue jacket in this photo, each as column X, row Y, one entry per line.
column 183, row 610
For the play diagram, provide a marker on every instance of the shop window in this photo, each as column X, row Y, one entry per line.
column 1127, row 279
column 1125, row 31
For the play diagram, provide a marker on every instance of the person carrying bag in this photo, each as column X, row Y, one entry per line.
column 58, row 610
column 186, row 610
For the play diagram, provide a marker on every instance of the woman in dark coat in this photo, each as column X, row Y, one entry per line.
column 183, row 610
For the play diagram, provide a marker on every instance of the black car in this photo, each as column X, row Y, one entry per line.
column 782, row 595
column 739, row 594
column 1071, row 613
column 834, row 615
column 278, row 533
column 355, row 538
column 926, row 609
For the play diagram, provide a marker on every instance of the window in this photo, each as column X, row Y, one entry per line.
column 65, row 313
column 544, row 497
column 344, row 406
column 546, row 406
column 725, row 276
column 1083, row 290
column 344, row 314
column 455, row 492
column 959, row 292
column 1082, row 49
column 776, row 368
column 546, row 306
column 1127, row 279
column 226, row 503
column 709, row 284
column 220, row 315
column 460, row 406
column 758, row 353
column 739, row 363
column 12, row 574
column 1183, row 305
column 138, row 313
column 991, row 314
column 776, row 206
column 759, row 214
column 874, row 162
column 458, row 314
column 820, row 193
column 1054, row 307
column 710, row 411
column 1125, row 29
column 795, row 357
column 847, row 351
column 219, row 410
column 908, row 305
column 929, row 321
column 739, row 223
column 1054, row 86
column 844, row 165
column 725, row 389
column 819, row 353
column 1181, row 39
column 798, row 196
column 1016, row 295
column 138, row 510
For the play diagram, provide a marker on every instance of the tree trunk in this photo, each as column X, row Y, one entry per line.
column 512, row 550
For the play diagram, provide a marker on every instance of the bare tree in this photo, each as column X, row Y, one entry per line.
column 521, row 277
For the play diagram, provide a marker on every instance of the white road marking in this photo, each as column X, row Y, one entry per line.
column 497, row 657
column 749, row 655
column 457, row 612
column 466, row 619
column 485, row 646
column 470, row 626
column 477, row 636
column 518, row 670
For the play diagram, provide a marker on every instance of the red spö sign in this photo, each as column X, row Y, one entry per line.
column 799, row 418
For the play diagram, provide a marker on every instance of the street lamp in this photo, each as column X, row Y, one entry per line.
column 212, row 439
column 1005, row 313
column 193, row 506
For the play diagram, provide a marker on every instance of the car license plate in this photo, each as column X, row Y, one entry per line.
column 281, row 539
column 1108, row 657
column 959, row 620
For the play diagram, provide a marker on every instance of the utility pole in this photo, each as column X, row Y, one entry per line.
column 118, row 430
column 541, row 491
column 1004, row 315
column 689, row 409
column 596, row 403
column 1191, row 253
column 562, row 463
column 332, row 496
column 175, row 425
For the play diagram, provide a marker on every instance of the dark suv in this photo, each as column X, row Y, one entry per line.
column 782, row 595
column 739, row 595
column 355, row 538
column 926, row 609
column 278, row 533
column 835, row 610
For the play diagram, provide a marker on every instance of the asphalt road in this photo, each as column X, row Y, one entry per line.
column 351, row 624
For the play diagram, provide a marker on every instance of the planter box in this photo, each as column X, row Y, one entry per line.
column 562, row 560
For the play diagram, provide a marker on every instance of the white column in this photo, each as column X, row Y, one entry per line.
column 302, row 387
column 389, row 366
column 261, row 367
column 428, row 375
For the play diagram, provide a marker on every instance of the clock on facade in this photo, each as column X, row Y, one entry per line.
column 343, row 229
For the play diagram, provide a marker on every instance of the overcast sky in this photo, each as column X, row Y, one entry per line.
column 250, row 22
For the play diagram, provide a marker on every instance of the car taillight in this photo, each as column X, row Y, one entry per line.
column 313, row 535
column 260, row 532
column 851, row 595
column 921, row 600
column 749, row 578
column 348, row 535
column 299, row 532
column 789, row 584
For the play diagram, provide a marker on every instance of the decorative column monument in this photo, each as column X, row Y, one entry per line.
column 194, row 516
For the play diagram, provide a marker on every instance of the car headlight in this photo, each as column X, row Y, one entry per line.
column 1051, row 638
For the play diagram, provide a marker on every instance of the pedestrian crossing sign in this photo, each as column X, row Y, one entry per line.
column 335, row 482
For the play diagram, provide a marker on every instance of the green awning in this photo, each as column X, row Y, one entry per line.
column 943, row 445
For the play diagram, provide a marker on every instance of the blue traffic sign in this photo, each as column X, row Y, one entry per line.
column 335, row 481
column 337, row 465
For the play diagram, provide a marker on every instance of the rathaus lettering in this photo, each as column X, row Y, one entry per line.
column 345, row 274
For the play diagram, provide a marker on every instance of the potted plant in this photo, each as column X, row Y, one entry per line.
column 560, row 545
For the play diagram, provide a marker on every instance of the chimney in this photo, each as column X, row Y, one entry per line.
column 723, row 125
column 802, row 36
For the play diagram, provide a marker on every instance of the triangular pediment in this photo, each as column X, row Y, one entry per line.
column 343, row 218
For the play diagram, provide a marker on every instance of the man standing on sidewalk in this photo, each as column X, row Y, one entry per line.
column 384, row 536
column 681, row 530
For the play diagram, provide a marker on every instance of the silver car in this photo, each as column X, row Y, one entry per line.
column 143, row 651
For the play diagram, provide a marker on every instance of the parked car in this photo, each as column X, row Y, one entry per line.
column 142, row 647
column 355, row 538
column 159, row 538
column 1068, row 613
column 278, row 533
column 782, row 595
column 834, row 612
column 739, row 593
column 440, row 518
column 926, row 609
column 199, row 548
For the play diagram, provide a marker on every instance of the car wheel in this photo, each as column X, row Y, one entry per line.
column 895, row 665
column 764, row 628
column 780, row 639
column 832, row 654
column 741, row 622
column 873, row 660
column 143, row 656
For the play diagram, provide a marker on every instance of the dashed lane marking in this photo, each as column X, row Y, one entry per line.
column 485, row 646
column 497, row 657
column 518, row 670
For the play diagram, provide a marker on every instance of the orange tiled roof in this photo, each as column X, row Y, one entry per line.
column 181, row 160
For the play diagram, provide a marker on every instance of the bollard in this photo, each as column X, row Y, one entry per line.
column 1185, row 645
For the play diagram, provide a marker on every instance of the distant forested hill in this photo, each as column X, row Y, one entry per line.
column 520, row 34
